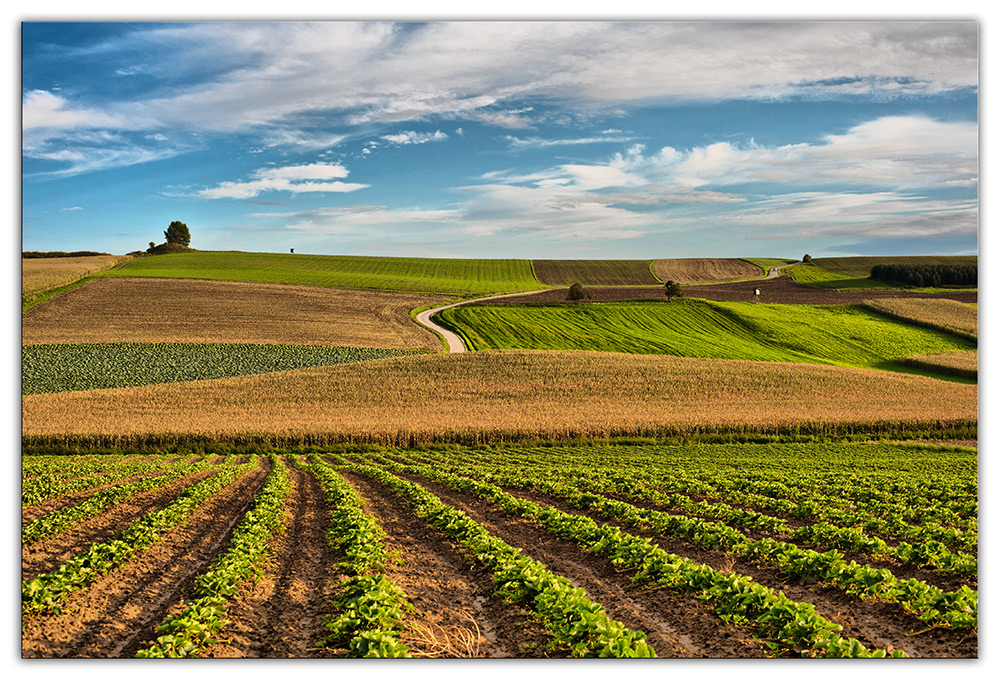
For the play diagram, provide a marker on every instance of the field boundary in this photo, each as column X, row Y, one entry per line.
column 933, row 430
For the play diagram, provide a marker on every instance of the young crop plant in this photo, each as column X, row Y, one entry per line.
column 579, row 627
column 370, row 609
column 47, row 592
column 194, row 629
column 793, row 626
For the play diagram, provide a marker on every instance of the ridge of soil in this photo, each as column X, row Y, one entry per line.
column 457, row 613
column 48, row 553
column 874, row 623
column 118, row 612
column 676, row 625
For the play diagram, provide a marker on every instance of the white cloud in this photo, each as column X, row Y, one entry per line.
column 292, row 178
column 412, row 137
column 540, row 143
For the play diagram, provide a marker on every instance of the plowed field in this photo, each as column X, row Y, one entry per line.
column 452, row 605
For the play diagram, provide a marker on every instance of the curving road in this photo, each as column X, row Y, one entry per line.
column 453, row 342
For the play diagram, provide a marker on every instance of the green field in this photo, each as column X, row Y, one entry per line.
column 851, row 273
column 63, row 368
column 595, row 272
column 767, row 263
column 461, row 277
column 837, row 335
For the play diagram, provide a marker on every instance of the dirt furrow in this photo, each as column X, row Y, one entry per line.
column 32, row 512
column 676, row 625
column 876, row 624
column 119, row 611
column 46, row 554
column 457, row 613
column 281, row 615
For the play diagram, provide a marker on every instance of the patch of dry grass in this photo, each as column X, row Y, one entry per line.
column 947, row 315
column 555, row 394
column 39, row 274
column 704, row 270
column 189, row 310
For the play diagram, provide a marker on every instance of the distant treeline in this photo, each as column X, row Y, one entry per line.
column 31, row 254
column 927, row 274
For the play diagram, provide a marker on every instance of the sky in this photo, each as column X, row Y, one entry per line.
column 525, row 139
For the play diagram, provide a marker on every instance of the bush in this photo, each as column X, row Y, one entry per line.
column 575, row 292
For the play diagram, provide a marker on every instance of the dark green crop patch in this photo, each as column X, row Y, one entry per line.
column 66, row 368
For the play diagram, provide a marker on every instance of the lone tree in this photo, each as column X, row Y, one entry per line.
column 575, row 292
column 672, row 289
column 806, row 258
column 178, row 233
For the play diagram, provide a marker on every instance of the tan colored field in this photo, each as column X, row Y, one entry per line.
column 45, row 273
column 704, row 270
column 957, row 363
column 516, row 393
column 189, row 310
column 948, row 315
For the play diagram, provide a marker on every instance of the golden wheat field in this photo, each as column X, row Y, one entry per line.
column 553, row 394
column 957, row 363
column 948, row 315
column 45, row 273
column 703, row 270
column 189, row 310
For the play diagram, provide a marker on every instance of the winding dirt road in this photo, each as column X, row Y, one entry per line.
column 453, row 342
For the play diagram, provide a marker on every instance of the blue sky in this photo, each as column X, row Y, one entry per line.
column 504, row 139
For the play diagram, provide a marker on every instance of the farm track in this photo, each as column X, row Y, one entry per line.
column 455, row 609
column 677, row 626
column 875, row 624
column 47, row 554
column 118, row 613
column 281, row 616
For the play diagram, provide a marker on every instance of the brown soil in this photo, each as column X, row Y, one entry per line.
column 875, row 624
column 457, row 613
column 281, row 615
column 189, row 310
column 119, row 612
column 676, row 625
column 781, row 290
column 47, row 554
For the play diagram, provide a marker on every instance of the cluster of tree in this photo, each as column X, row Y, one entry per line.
column 927, row 274
column 178, row 239
column 34, row 254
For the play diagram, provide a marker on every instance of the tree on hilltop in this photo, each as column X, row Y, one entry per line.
column 178, row 233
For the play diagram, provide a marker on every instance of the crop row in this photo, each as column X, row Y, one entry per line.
column 579, row 627
column 192, row 630
column 958, row 609
column 926, row 552
column 371, row 607
column 46, row 592
column 60, row 520
column 790, row 626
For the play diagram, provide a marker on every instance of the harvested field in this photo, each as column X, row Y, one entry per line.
column 704, row 270
column 781, row 290
column 187, row 310
column 594, row 272
column 947, row 315
column 44, row 273
column 552, row 394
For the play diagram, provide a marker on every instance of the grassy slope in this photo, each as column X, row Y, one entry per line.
column 837, row 335
column 415, row 275
column 851, row 273
column 768, row 263
column 594, row 272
